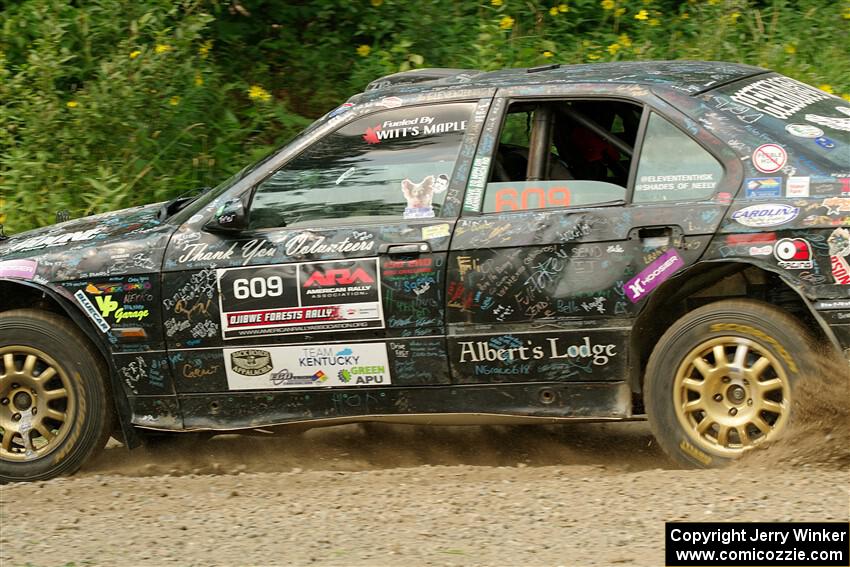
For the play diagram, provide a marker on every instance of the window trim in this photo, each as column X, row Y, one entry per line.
column 344, row 123
column 635, row 163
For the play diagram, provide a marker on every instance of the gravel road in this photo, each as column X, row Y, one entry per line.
column 392, row 495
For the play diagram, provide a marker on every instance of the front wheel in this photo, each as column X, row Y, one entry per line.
column 54, row 406
column 720, row 380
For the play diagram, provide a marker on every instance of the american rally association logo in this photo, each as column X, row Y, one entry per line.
column 251, row 362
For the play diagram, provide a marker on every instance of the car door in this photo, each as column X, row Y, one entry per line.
column 334, row 291
column 552, row 261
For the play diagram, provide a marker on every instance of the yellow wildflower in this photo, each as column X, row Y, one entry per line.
column 364, row 50
column 506, row 22
column 593, row 56
column 174, row 101
column 826, row 88
column 134, row 54
column 733, row 17
column 199, row 80
column 654, row 22
column 712, row 2
column 256, row 92
column 162, row 48
column 790, row 49
column 608, row 4
column 642, row 15
column 553, row 11
column 846, row 13
column 614, row 48
column 685, row 16
column 563, row 8
column 624, row 40
column 548, row 54
column 72, row 104
column 204, row 48
column 846, row 96
column 496, row 2
column 619, row 12
column 377, row 3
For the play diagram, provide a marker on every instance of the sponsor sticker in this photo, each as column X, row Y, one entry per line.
column 763, row 187
column 765, row 250
column 308, row 366
column 836, row 205
column 46, row 241
column 833, row 304
column 390, row 102
column 804, row 130
column 653, row 275
column 251, row 362
column 436, row 231
column 91, row 311
column 765, row 215
column 793, row 254
column 839, row 250
column 825, row 143
column 300, row 298
column 23, row 269
column 769, row 158
column 797, row 186
column 779, row 97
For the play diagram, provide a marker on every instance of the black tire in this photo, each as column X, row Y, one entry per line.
column 732, row 363
column 58, row 385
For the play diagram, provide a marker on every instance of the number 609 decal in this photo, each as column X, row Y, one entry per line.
column 271, row 286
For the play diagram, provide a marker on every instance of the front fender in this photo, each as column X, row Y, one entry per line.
column 10, row 292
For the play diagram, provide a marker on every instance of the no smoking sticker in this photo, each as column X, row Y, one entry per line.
column 769, row 158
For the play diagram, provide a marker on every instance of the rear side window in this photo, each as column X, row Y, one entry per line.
column 395, row 163
column 673, row 167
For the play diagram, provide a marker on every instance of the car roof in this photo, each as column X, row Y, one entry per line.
column 689, row 76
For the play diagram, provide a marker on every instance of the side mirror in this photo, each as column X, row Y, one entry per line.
column 229, row 217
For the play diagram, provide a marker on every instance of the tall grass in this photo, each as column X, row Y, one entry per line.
column 106, row 104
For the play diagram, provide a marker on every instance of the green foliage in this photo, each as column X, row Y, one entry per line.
column 110, row 103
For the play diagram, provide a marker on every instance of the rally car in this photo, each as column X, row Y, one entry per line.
column 666, row 240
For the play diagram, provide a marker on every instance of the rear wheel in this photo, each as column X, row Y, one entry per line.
column 720, row 380
column 54, row 407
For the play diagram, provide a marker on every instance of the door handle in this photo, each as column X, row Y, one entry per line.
column 658, row 235
column 408, row 249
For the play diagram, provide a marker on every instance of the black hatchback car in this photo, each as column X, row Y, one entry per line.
column 591, row 242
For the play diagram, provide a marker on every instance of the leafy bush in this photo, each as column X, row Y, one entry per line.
column 106, row 104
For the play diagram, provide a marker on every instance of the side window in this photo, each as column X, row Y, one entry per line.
column 562, row 154
column 395, row 163
column 673, row 167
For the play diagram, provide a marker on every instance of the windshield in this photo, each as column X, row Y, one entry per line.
column 207, row 197
column 812, row 125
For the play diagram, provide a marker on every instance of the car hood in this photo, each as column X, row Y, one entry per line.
column 120, row 242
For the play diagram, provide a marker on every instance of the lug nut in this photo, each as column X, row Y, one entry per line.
column 34, row 411
column 4, row 401
column 733, row 411
column 16, row 417
column 15, row 386
column 750, row 402
column 726, row 379
column 718, row 397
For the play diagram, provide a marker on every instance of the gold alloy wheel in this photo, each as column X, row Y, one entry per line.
column 37, row 403
column 730, row 393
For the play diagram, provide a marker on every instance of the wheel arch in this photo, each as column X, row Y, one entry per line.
column 20, row 294
column 710, row 281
